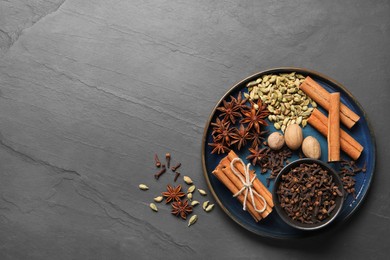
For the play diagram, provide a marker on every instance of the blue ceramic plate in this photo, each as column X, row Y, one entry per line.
column 273, row 226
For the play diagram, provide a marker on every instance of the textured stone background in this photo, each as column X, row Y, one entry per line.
column 89, row 90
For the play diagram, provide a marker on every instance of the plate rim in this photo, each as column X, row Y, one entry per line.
column 281, row 70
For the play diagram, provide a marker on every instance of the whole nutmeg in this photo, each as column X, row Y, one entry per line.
column 275, row 141
column 293, row 136
column 311, row 148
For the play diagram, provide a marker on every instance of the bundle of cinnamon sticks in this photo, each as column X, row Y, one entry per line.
column 225, row 174
column 330, row 126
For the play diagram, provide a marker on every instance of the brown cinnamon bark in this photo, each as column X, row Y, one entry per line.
column 347, row 143
column 322, row 97
column 225, row 174
column 334, row 128
column 233, row 189
column 259, row 187
column 236, row 181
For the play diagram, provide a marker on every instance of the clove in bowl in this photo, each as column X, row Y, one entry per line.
column 308, row 194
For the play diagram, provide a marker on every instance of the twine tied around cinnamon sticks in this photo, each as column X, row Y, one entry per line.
column 247, row 186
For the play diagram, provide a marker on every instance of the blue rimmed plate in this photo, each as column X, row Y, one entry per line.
column 273, row 226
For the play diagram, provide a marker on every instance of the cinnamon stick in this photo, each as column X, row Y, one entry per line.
column 347, row 143
column 334, row 128
column 258, row 186
column 236, row 181
column 226, row 175
column 322, row 97
column 233, row 189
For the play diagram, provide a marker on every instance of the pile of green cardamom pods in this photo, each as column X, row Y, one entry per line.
column 286, row 102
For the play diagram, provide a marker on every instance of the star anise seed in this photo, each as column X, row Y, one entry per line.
column 239, row 103
column 181, row 208
column 254, row 117
column 257, row 154
column 257, row 138
column 173, row 193
column 240, row 136
column 219, row 147
column 222, row 131
column 229, row 111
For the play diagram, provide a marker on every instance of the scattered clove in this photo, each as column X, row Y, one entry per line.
column 347, row 173
column 161, row 172
column 157, row 161
column 177, row 166
column 177, row 174
column 273, row 161
column 168, row 158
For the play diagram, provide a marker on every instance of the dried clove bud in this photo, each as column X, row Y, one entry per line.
column 161, row 172
column 347, row 172
column 308, row 193
column 177, row 166
column 168, row 158
column 157, row 161
column 176, row 176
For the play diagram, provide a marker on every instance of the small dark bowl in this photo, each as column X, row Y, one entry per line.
column 297, row 224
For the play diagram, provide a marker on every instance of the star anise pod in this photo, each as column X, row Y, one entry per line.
column 255, row 118
column 181, row 208
column 257, row 154
column 222, row 131
column 239, row 103
column 256, row 138
column 173, row 193
column 229, row 111
column 219, row 147
column 240, row 136
column 262, row 107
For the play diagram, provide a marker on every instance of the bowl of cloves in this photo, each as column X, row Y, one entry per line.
column 308, row 194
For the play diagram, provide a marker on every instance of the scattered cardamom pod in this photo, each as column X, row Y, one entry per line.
column 187, row 180
column 189, row 196
column 158, row 199
column 194, row 203
column 153, row 207
column 143, row 187
column 192, row 220
column 191, row 189
column 202, row 192
column 205, row 204
column 209, row 208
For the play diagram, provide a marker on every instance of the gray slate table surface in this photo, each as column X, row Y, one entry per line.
column 90, row 90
